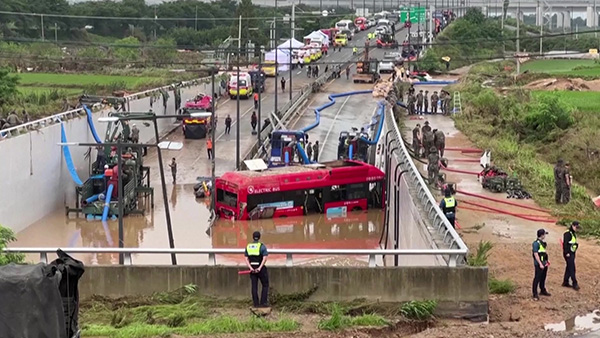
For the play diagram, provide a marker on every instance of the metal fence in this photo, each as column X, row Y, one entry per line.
column 441, row 230
column 128, row 253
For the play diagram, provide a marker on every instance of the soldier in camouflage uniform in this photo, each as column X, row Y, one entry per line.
column 433, row 168
column 411, row 104
column 439, row 140
column 434, row 102
column 428, row 140
column 559, row 181
column 416, row 140
column 420, row 103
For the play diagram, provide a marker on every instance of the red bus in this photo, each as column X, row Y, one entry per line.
column 333, row 188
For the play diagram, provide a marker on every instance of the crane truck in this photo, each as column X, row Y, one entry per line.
column 367, row 70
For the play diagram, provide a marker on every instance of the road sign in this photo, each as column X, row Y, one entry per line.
column 417, row 14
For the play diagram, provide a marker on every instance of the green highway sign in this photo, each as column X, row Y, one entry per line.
column 417, row 14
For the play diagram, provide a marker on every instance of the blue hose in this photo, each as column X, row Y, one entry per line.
column 350, row 151
column 68, row 158
column 433, row 83
column 332, row 98
column 381, row 113
column 91, row 124
column 92, row 198
column 109, row 192
column 286, row 157
column 305, row 158
column 109, row 239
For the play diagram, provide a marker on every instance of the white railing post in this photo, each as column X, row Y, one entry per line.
column 44, row 257
column 212, row 259
column 289, row 261
column 127, row 259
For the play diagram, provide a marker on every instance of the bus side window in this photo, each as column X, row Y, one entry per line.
column 337, row 193
column 357, row 191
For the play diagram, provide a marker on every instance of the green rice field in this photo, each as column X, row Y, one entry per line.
column 563, row 67
column 38, row 90
column 581, row 101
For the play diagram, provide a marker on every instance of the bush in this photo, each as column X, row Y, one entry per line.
column 480, row 258
column 7, row 236
column 419, row 310
column 545, row 116
column 501, row 286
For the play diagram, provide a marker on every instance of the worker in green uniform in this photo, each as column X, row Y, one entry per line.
column 540, row 264
column 434, row 102
column 126, row 130
column 256, row 257
column 416, row 141
column 570, row 246
column 354, row 50
column 433, row 167
column 448, row 205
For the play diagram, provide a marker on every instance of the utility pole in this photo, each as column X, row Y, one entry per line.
column 541, row 29
column 518, row 38
column 213, row 132
column 196, row 19
column 237, row 125
column 42, row 23
column 55, row 32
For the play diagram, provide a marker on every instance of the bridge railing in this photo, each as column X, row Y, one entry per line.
column 438, row 221
column 212, row 253
column 73, row 113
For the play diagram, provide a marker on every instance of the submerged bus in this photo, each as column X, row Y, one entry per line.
column 332, row 188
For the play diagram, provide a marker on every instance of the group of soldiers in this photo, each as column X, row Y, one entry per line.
column 419, row 103
column 562, row 182
column 13, row 120
column 433, row 143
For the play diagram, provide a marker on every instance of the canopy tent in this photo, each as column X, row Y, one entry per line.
column 293, row 42
column 283, row 59
column 318, row 35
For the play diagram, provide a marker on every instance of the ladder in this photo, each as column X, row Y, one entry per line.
column 457, row 104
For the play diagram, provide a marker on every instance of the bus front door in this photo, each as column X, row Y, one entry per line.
column 313, row 201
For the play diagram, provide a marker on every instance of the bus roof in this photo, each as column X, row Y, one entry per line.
column 312, row 175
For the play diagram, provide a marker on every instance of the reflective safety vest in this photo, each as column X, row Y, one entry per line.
column 450, row 203
column 573, row 241
column 254, row 255
column 354, row 49
column 542, row 251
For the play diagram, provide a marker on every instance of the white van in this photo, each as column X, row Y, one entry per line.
column 346, row 25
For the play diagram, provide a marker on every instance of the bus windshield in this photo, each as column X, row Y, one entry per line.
column 227, row 198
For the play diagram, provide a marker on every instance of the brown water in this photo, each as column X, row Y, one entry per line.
column 191, row 230
column 587, row 322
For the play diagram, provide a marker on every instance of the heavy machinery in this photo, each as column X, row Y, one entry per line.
column 367, row 70
column 101, row 188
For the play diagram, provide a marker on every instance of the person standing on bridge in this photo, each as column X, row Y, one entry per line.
column 540, row 264
column 253, row 122
column 209, row 147
column 283, row 84
column 256, row 257
column 308, row 71
column 316, row 151
column 173, row 166
column 570, row 246
column 448, row 205
column 227, row 124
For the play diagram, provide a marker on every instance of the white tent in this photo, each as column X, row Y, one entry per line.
column 283, row 59
column 318, row 35
column 293, row 42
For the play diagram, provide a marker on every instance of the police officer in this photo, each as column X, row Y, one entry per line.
column 540, row 264
column 256, row 257
column 448, row 205
column 570, row 246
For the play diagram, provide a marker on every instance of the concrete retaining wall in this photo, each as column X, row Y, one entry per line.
column 406, row 220
column 34, row 178
column 460, row 292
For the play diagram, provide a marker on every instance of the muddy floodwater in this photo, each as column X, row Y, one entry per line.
column 191, row 230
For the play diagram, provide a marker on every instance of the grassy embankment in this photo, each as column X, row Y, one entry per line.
column 43, row 93
column 527, row 132
column 185, row 313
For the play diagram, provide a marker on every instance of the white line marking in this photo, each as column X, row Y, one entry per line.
column 333, row 123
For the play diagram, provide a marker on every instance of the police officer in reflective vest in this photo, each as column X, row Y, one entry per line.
column 448, row 206
column 570, row 246
column 540, row 264
column 256, row 257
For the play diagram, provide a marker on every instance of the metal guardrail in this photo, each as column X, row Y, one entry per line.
column 212, row 253
column 70, row 114
column 438, row 220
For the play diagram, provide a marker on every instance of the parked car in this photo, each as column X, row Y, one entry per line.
column 387, row 64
